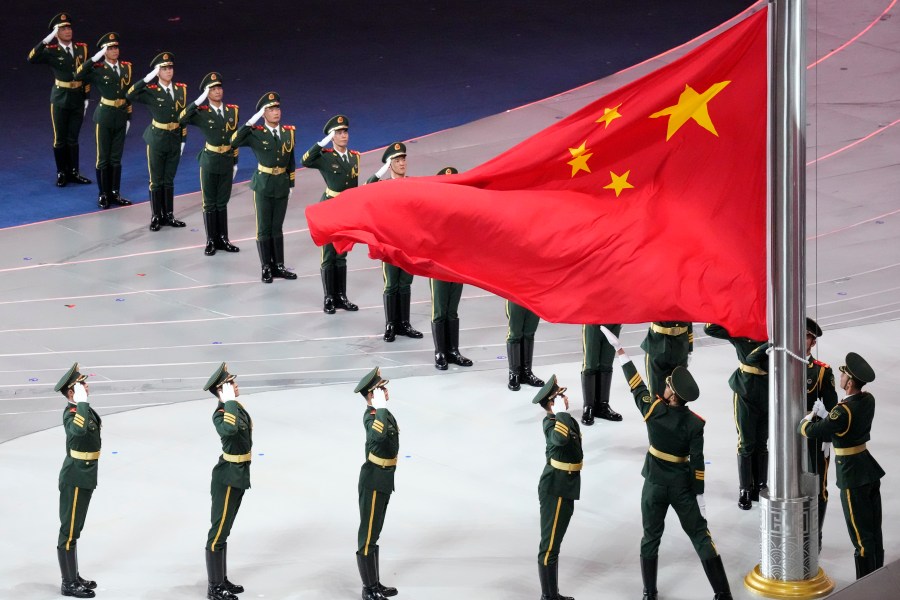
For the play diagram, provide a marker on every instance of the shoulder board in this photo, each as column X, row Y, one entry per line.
column 354, row 152
column 821, row 364
column 231, row 105
column 125, row 62
column 327, row 150
column 98, row 65
column 221, row 410
column 152, row 86
column 289, row 127
column 53, row 46
column 203, row 107
column 80, row 44
column 698, row 416
column 259, row 127
column 181, row 84
column 73, row 410
column 372, row 412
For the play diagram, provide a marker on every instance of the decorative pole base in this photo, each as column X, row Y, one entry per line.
column 817, row 587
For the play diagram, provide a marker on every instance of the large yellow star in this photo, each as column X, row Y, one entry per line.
column 608, row 115
column 619, row 182
column 579, row 160
column 691, row 105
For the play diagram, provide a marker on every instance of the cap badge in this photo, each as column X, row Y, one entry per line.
column 340, row 119
column 271, row 96
column 396, row 146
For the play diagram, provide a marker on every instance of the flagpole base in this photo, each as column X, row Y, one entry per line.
column 818, row 587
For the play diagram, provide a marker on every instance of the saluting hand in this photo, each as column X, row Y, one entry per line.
column 51, row 35
column 80, row 393
column 384, row 169
column 100, row 54
column 326, row 140
column 256, row 117
column 149, row 76
column 380, row 401
column 227, row 392
column 202, row 96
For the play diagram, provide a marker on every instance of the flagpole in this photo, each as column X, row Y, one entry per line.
column 789, row 561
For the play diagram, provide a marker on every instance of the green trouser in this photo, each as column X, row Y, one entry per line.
column 445, row 296
column 372, row 509
column 331, row 258
column 655, row 502
column 818, row 464
column 216, row 190
column 110, row 145
column 751, row 419
column 556, row 512
column 522, row 322
column 598, row 352
column 396, row 280
column 162, row 166
column 226, row 500
column 73, row 507
column 862, row 512
column 66, row 125
column 270, row 213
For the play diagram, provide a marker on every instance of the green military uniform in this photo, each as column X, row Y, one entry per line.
column 596, row 373
column 218, row 163
column 750, row 383
column 523, row 325
column 271, row 183
column 849, row 426
column 68, row 99
column 111, row 119
column 164, row 136
column 667, row 345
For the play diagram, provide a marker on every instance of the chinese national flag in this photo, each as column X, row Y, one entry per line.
column 646, row 205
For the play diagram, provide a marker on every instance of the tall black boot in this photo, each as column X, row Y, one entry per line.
column 368, row 573
column 234, row 588
column 116, row 185
column 823, row 506
column 514, row 358
column 384, row 589
column 91, row 585
column 715, row 572
column 549, row 576
column 278, row 270
column 601, row 405
column 156, row 210
column 222, row 242
column 879, row 559
column 527, row 355
column 760, row 474
column 864, row 565
column 328, row 287
column 588, row 385
column 265, row 259
column 68, row 566
column 439, row 333
column 72, row 174
column 209, row 222
column 404, row 328
column 103, row 186
column 745, row 481
column 453, row 354
column 390, row 316
column 215, row 575
column 61, row 157
column 169, row 195
column 340, row 289
column 648, row 575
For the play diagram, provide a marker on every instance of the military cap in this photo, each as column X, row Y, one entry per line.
column 549, row 391
column 163, row 59
column 268, row 99
column 682, row 383
column 210, row 80
column 370, row 381
column 68, row 380
column 220, row 376
column 448, row 171
column 110, row 39
column 393, row 151
column 62, row 19
column 336, row 122
column 856, row 367
column 812, row 328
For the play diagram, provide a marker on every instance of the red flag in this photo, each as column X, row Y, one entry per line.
column 646, row 205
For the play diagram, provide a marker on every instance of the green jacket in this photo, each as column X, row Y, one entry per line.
column 753, row 357
column 338, row 175
column 820, row 384
column 673, row 348
column 63, row 67
column 103, row 78
column 235, row 428
column 217, row 132
column 675, row 432
column 382, row 440
column 269, row 156
column 82, row 425
column 164, row 109
column 563, row 437
column 848, row 426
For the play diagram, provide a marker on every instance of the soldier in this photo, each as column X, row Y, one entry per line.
column 68, row 98
column 340, row 170
column 819, row 386
column 674, row 472
column 849, row 425
column 272, row 182
column 668, row 345
column 520, row 346
column 112, row 117
column 376, row 481
column 77, row 479
column 445, row 297
column 164, row 136
column 560, row 483
column 750, row 383
column 397, row 282
column 230, row 478
column 596, row 373
column 218, row 160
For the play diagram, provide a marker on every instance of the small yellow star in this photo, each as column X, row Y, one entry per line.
column 619, row 182
column 608, row 115
column 579, row 159
column 691, row 105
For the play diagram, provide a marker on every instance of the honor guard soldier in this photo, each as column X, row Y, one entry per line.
column 164, row 136
column 750, row 384
column 596, row 373
column 674, row 472
column 218, row 160
column 849, row 426
column 112, row 117
column 560, row 483
column 397, row 282
column 668, row 345
column 523, row 325
column 230, row 478
column 272, row 182
column 77, row 479
column 68, row 98
column 340, row 170
column 376, row 480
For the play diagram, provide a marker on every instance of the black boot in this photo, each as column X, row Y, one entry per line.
column 340, row 289
column 879, row 559
column 760, row 474
column 265, row 259
column 601, row 405
column 384, row 589
column 231, row 587
column 823, row 506
column 61, row 157
column 278, row 270
column 215, row 575
column 209, row 222
column 68, row 566
column 404, row 328
column 549, row 576
column 72, row 174
column 368, row 573
column 221, row 241
column 390, row 317
column 157, row 208
column 116, row 185
column 514, row 358
column 864, row 565
column 648, row 575
column 439, row 333
column 103, row 186
column 715, row 572
column 169, row 196
column 588, row 385
column 745, row 480
column 453, row 354
column 328, row 287
column 91, row 585
column 527, row 354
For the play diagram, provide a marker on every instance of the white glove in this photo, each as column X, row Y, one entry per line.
column 560, row 404
column 51, row 35
column 256, row 117
column 127, row 126
column 234, row 175
column 621, row 355
column 100, row 54
column 227, row 392
column 688, row 363
column 819, row 409
column 149, row 76
column 826, row 449
column 702, row 504
column 290, row 193
column 202, row 96
column 379, row 398
column 86, row 102
column 383, row 170
column 326, row 140
column 80, row 393
column 182, row 149
column 810, row 416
